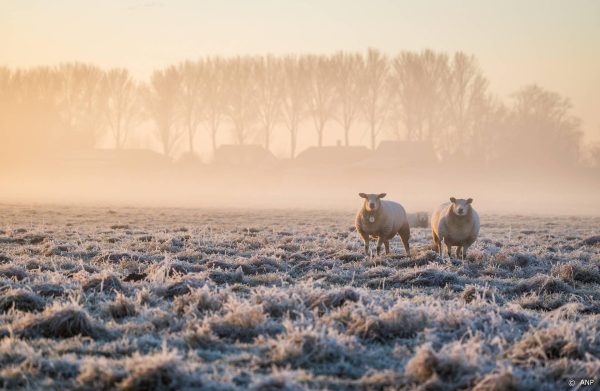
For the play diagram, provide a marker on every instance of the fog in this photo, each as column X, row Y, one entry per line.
column 292, row 131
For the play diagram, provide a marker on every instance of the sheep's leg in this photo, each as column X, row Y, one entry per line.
column 387, row 246
column 366, row 240
column 379, row 244
column 405, row 236
column 459, row 252
column 437, row 243
column 449, row 250
column 465, row 248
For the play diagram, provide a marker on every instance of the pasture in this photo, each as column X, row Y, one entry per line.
column 130, row 298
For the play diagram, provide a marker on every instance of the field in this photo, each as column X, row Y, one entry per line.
column 135, row 299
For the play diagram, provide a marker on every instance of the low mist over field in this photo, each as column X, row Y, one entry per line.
column 292, row 131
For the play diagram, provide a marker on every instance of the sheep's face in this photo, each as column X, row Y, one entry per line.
column 372, row 201
column 461, row 207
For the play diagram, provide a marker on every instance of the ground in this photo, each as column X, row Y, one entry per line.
column 131, row 298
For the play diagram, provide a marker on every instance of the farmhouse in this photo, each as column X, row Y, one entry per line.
column 400, row 155
column 331, row 156
column 243, row 156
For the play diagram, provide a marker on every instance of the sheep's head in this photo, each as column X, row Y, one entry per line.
column 372, row 201
column 461, row 207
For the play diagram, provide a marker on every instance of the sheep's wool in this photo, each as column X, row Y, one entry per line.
column 372, row 219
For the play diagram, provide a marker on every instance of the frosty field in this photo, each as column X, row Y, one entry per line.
column 136, row 299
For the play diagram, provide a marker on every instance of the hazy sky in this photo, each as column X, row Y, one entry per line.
column 553, row 43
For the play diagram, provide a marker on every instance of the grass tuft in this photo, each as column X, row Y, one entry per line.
column 64, row 322
column 575, row 271
column 161, row 371
column 21, row 300
column 403, row 320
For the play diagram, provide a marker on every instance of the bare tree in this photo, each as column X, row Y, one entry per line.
column 593, row 151
column 468, row 102
column 348, row 68
column 541, row 130
column 39, row 95
column 491, row 127
column 5, row 85
column 122, row 109
column 161, row 101
column 418, row 80
column 81, row 103
column 294, row 98
column 191, row 96
column 321, row 92
column 268, row 73
column 214, row 95
column 376, row 92
column 241, row 97
column 7, row 103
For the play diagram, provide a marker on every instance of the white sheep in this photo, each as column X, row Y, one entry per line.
column 456, row 223
column 382, row 220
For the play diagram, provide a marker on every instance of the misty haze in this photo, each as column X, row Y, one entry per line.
column 179, row 187
column 292, row 131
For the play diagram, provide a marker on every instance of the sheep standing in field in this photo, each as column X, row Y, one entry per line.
column 455, row 223
column 418, row 220
column 382, row 220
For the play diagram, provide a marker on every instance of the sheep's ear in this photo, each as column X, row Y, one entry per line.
column 362, row 195
column 469, row 201
column 381, row 195
column 452, row 199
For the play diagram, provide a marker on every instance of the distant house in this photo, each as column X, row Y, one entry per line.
column 331, row 156
column 189, row 162
column 243, row 156
column 408, row 151
column 401, row 154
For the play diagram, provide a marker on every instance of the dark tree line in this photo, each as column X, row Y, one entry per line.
column 417, row 96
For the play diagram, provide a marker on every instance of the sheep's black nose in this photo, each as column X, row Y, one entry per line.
column 371, row 205
column 460, row 210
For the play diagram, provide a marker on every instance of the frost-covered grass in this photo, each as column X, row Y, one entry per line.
column 136, row 299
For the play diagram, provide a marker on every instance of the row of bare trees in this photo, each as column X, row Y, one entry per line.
column 71, row 105
column 417, row 96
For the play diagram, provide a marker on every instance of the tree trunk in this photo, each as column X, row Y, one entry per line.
column 213, row 135
column 347, row 135
column 118, row 137
column 320, row 136
column 373, row 136
column 165, row 144
column 267, row 138
column 293, row 145
column 191, row 141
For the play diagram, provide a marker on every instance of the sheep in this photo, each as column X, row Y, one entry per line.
column 456, row 223
column 418, row 220
column 381, row 220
